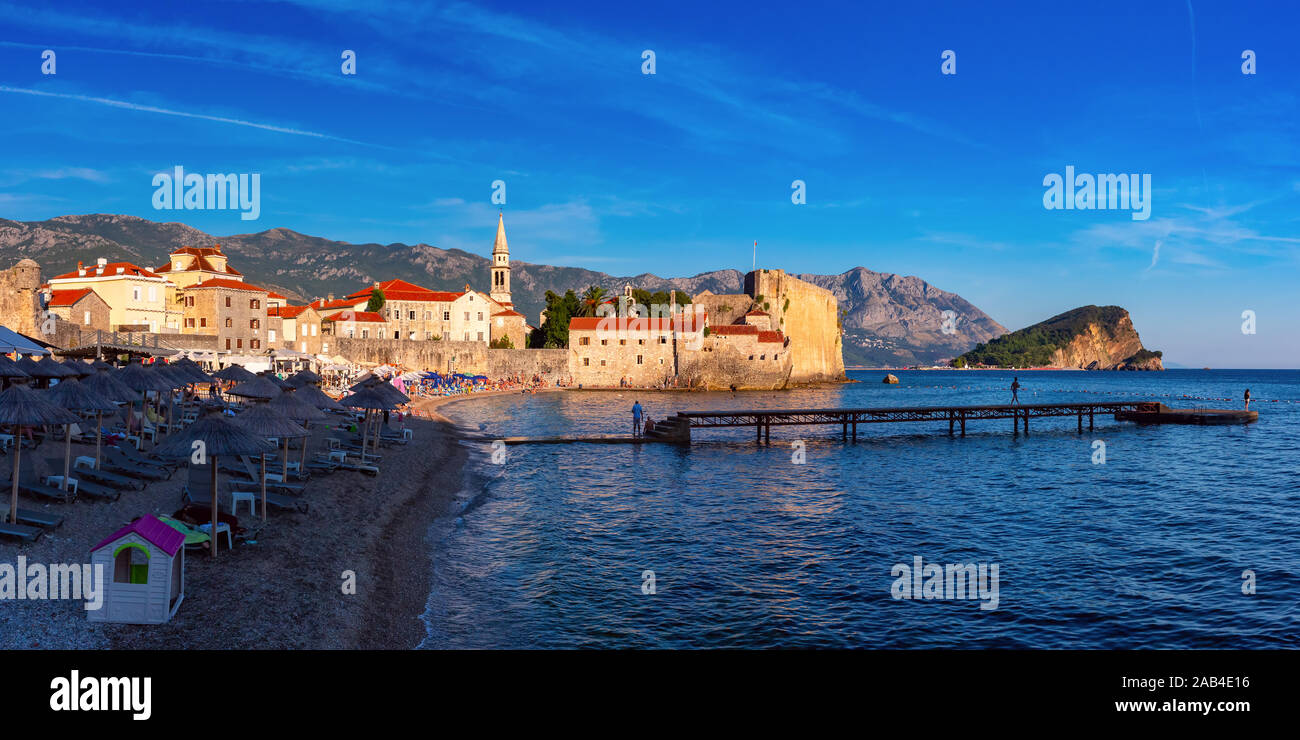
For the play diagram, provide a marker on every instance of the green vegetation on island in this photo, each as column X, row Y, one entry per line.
column 1034, row 346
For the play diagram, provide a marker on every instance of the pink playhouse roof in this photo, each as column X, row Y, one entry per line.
column 152, row 529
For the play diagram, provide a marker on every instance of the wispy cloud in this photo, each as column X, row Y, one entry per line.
column 125, row 105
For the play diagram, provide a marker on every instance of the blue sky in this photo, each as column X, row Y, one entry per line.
column 907, row 170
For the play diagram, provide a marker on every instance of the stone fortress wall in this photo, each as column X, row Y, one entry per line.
column 809, row 317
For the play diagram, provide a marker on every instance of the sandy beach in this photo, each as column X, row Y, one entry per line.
column 283, row 587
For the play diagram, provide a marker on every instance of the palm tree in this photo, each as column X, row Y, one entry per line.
column 592, row 299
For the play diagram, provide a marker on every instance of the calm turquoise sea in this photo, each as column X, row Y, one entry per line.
column 748, row 548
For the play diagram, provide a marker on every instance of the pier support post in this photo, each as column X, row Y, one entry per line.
column 951, row 419
column 767, row 431
column 1080, row 422
column 1090, row 420
column 1026, row 422
column 844, row 433
column 963, row 423
column 855, row 429
column 1015, row 423
column 758, row 430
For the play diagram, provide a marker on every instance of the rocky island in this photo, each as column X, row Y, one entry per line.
column 1085, row 338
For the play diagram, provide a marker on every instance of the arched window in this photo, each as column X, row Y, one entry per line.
column 131, row 564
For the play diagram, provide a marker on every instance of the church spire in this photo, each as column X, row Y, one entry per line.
column 500, row 245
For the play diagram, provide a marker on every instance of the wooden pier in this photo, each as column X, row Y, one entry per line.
column 679, row 428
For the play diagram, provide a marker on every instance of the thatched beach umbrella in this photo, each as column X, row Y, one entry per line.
column 21, row 406
column 44, row 371
column 191, row 370
column 74, row 395
column 10, row 371
column 105, row 386
column 101, row 365
column 370, row 400
column 265, row 421
column 283, row 385
column 388, row 391
column 234, row 374
column 140, row 380
column 316, row 397
column 300, row 411
column 304, row 377
column 178, row 379
column 210, row 438
column 258, row 388
column 83, row 370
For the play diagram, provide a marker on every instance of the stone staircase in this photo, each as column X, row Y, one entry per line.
column 672, row 429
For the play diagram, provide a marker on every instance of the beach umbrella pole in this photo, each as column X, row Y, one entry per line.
column 18, row 453
column 99, row 435
column 264, row 486
column 284, row 474
column 214, row 506
column 67, row 456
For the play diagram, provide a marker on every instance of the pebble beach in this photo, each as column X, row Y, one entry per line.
column 281, row 587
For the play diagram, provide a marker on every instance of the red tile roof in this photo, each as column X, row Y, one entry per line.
column 747, row 330
column 287, row 312
column 110, row 270
column 200, row 261
column 324, row 305
column 68, row 297
column 200, row 251
column 273, row 294
column 401, row 290
column 355, row 316
column 507, row 313
column 227, row 284
column 734, row 329
column 685, row 322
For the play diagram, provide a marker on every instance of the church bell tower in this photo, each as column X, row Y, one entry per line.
column 501, row 266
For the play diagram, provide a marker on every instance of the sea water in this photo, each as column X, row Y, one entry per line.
column 1181, row 537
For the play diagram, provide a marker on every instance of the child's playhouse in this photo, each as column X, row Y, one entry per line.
column 144, row 573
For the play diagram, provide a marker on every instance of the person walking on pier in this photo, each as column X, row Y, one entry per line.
column 636, row 418
column 1247, row 398
column 1015, row 391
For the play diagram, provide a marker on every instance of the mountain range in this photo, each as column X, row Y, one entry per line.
column 888, row 319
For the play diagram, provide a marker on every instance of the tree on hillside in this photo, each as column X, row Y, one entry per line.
column 591, row 300
column 376, row 302
column 554, row 332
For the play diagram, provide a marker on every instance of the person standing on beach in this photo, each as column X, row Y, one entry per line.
column 1247, row 399
column 636, row 418
column 1015, row 391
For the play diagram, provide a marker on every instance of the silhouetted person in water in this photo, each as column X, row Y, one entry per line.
column 1247, row 399
column 1015, row 391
